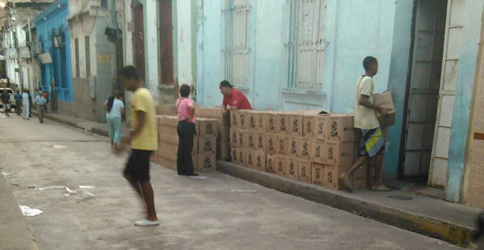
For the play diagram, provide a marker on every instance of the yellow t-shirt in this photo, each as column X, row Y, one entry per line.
column 147, row 139
column 365, row 118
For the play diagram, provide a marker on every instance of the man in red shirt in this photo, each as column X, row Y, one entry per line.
column 233, row 97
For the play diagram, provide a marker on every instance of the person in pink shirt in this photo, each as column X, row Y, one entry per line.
column 186, row 132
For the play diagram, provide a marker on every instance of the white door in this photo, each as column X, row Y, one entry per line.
column 424, row 86
column 450, row 69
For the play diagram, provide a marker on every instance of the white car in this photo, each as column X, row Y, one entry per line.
column 12, row 98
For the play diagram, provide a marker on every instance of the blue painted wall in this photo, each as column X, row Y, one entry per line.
column 369, row 23
column 463, row 98
column 49, row 22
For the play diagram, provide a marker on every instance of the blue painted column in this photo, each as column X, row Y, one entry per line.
column 58, row 75
column 399, row 69
column 463, row 99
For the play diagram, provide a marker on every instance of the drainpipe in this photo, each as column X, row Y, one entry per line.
column 32, row 56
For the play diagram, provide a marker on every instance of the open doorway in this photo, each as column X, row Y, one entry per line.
column 423, row 89
column 139, row 39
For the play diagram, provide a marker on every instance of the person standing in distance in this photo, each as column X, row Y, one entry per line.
column 186, row 131
column 5, row 96
column 25, row 105
column 40, row 103
column 233, row 97
column 18, row 103
column 143, row 139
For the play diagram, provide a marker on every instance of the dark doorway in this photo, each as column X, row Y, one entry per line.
column 423, row 90
column 166, row 43
column 139, row 40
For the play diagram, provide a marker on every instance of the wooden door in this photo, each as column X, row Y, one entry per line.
column 166, row 43
column 139, row 40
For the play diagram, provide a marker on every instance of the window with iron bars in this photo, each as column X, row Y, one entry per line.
column 236, row 41
column 305, row 48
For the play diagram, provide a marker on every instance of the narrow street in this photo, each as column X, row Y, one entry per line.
column 219, row 212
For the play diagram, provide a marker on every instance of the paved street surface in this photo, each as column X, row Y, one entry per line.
column 219, row 212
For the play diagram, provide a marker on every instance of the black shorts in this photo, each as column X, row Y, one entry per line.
column 138, row 166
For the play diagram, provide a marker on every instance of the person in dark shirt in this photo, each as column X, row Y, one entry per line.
column 30, row 104
column 18, row 103
column 5, row 102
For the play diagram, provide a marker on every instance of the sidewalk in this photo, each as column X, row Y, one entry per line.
column 15, row 234
column 93, row 127
column 436, row 218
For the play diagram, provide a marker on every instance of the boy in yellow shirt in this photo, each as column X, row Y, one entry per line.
column 143, row 139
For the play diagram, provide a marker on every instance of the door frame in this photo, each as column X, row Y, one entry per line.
column 403, row 134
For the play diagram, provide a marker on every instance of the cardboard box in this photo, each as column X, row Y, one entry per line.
column 360, row 178
column 242, row 158
column 271, row 163
column 207, row 146
column 281, row 165
column 317, row 151
column 206, row 127
column 304, row 171
column 318, row 174
column 170, row 139
column 292, row 168
column 310, row 124
column 260, row 161
column 305, row 148
column 296, row 125
column 385, row 100
column 283, row 125
column 261, row 122
column 242, row 139
column 234, row 153
column 251, row 140
column 233, row 118
column 319, row 127
column 166, row 110
column 261, row 142
column 339, row 128
column 338, row 153
column 171, row 156
column 195, row 150
column 170, row 147
column 282, row 144
column 331, row 176
column 272, row 122
column 252, row 120
column 167, row 163
column 242, row 119
column 234, row 137
column 272, row 143
column 294, row 147
column 207, row 163
column 251, row 158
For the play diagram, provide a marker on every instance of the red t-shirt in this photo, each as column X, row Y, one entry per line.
column 237, row 99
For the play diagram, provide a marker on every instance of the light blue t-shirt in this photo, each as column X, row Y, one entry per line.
column 40, row 100
column 118, row 105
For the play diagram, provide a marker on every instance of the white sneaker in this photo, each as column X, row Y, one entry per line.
column 146, row 223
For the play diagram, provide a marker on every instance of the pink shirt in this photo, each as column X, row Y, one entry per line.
column 183, row 110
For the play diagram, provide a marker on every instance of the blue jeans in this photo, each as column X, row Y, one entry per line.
column 114, row 124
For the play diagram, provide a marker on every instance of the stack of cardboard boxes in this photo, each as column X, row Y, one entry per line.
column 308, row 146
column 223, row 120
column 204, row 144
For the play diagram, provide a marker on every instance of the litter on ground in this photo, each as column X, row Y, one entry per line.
column 51, row 187
column 30, row 212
